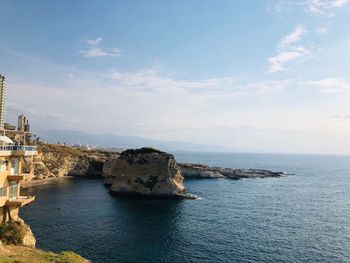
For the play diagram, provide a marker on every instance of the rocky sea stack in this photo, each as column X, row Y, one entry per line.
column 146, row 172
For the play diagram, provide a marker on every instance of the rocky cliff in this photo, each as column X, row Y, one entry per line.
column 147, row 172
column 55, row 161
column 16, row 232
column 144, row 171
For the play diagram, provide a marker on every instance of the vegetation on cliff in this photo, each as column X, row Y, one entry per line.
column 12, row 233
column 16, row 233
column 13, row 248
column 22, row 254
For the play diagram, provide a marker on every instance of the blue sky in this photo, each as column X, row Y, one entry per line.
column 267, row 76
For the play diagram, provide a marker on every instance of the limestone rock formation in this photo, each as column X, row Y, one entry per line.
column 189, row 170
column 108, row 167
column 16, row 232
column 147, row 172
column 28, row 237
column 199, row 171
column 54, row 161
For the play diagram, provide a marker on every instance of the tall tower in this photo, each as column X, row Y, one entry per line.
column 2, row 100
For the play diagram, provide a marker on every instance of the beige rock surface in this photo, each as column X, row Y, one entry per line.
column 145, row 171
column 28, row 238
column 56, row 161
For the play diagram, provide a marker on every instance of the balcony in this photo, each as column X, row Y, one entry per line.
column 15, row 177
column 20, row 201
column 19, row 150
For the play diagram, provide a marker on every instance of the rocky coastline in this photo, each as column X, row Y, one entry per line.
column 145, row 172
column 190, row 170
column 56, row 162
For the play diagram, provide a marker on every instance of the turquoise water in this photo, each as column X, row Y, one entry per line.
column 303, row 217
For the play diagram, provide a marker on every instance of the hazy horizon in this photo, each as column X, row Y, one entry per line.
column 267, row 76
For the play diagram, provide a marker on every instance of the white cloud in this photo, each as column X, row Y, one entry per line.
column 269, row 85
column 287, row 51
column 293, row 37
column 331, row 85
column 324, row 7
column 95, row 52
column 321, row 30
column 280, row 6
column 277, row 63
column 277, row 8
column 93, row 42
column 146, row 102
column 202, row 112
column 155, row 80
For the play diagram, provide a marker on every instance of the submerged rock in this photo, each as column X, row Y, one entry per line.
column 189, row 170
column 147, row 172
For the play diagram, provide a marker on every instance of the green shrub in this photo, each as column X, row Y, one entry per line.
column 20, row 254
column 12, row 233
column 70, row 257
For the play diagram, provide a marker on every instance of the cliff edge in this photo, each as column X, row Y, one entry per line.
column 23, row 254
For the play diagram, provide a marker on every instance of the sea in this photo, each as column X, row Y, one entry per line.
column 301, row 217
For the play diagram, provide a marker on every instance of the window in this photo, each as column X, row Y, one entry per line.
column 13, row 190
column 15, row 167
column 2, row 166
column 3, row 191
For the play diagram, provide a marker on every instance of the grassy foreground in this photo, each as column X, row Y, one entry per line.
column 22, row 254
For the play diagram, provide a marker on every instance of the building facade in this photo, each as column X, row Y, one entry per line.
column 16, row 161
column 12, row 160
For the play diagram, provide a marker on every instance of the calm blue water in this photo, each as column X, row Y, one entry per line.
column 303, row 217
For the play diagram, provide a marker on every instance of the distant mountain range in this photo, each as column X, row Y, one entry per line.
column 123, row 142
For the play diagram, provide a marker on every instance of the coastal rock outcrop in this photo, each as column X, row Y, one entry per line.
column 189, row 170
column 16, row 232
column 56, row 161
column 28, row 238
column 108, row 169
column 147, row 172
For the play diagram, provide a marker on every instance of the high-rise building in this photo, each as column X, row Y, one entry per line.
column 22, row 121
column 2, row 100
column 23, row 124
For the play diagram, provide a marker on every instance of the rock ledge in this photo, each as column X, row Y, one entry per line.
column 189, row 170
